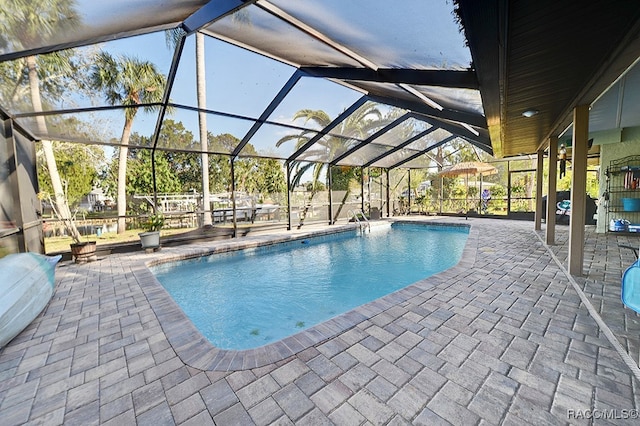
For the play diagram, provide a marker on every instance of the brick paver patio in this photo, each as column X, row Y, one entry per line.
column 502, row 338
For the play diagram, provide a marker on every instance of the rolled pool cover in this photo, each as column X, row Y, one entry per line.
column 26, row 287
column 631, row 286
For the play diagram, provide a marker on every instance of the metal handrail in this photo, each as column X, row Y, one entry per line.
column 354, row 214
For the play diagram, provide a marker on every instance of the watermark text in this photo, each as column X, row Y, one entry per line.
column 606, row 414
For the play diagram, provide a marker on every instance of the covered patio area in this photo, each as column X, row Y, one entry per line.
column 507, row 336
column 244, row 114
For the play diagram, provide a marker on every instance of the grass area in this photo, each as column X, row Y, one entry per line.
column 59, row 244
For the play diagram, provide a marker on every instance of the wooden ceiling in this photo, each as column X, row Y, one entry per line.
column 548, row 56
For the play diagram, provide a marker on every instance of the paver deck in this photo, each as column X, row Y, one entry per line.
column 505, row 337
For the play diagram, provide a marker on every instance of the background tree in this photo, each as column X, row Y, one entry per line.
column 358, row 125
column 129, row 82
column 78, row 168
column 22, row 25
column 139, row 172
column 185, row 163
column 251, row 173
column 271, row 180
column 140, row 177
column 342, row 178
column 201, row 84
column 172, row 38
column 179, row 170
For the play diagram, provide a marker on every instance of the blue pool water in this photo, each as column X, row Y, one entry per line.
column 248, row 298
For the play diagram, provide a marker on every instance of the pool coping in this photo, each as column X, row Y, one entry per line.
column 196, row 351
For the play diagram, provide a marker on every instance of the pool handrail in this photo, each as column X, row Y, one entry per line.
column 355, row 214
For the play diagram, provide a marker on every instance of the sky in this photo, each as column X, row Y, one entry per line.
column 238, row 82
column 243, row 83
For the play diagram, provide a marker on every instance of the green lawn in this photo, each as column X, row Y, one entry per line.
column 58, row 244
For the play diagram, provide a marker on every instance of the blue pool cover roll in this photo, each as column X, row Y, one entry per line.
column 631, row 286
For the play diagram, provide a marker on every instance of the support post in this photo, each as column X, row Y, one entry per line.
column 550, row 231
column 441, row 194
column 408, row 191
column 579, row 150
column 288, row 196
column 369, row 179
column 233, row 196
column 153, row 177
column 330, row 181
column 388, row 194
column 362, row 189
column 539, row 178
column 10, row 185
column 508, row 188
column 381, row 202
column 381, row 192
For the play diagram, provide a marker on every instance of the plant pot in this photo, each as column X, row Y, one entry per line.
column 84, row 252
column 150, row 240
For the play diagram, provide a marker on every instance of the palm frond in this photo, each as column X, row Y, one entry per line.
column 318, row 116
column 301, row 169
column 172, row 37
column 286, row 138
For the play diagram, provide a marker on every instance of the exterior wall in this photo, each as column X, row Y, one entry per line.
column 629, row 144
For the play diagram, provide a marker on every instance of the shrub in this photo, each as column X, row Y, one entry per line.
column 155, row 222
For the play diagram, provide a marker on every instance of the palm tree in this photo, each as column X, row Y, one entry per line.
column 201, row 84
column 172, row 38
column 24, row 25
column 129, row 82
column 357, row 125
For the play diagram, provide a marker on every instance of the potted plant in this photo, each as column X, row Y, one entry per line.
column 81, row 251
column 150, row 239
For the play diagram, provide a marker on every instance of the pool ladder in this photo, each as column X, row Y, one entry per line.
column 362, row 224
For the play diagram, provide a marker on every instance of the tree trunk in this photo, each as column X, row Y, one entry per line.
column 60, row 199
column 202, row 120
column 344, row 200
column 305, row 210
column 122, row 176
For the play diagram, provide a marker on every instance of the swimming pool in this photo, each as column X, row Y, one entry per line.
column 249, row 298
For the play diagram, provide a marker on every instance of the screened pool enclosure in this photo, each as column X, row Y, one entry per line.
column 299, row 111
column 303, row 111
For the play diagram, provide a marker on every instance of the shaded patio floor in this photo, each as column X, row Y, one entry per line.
column 502, row 338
